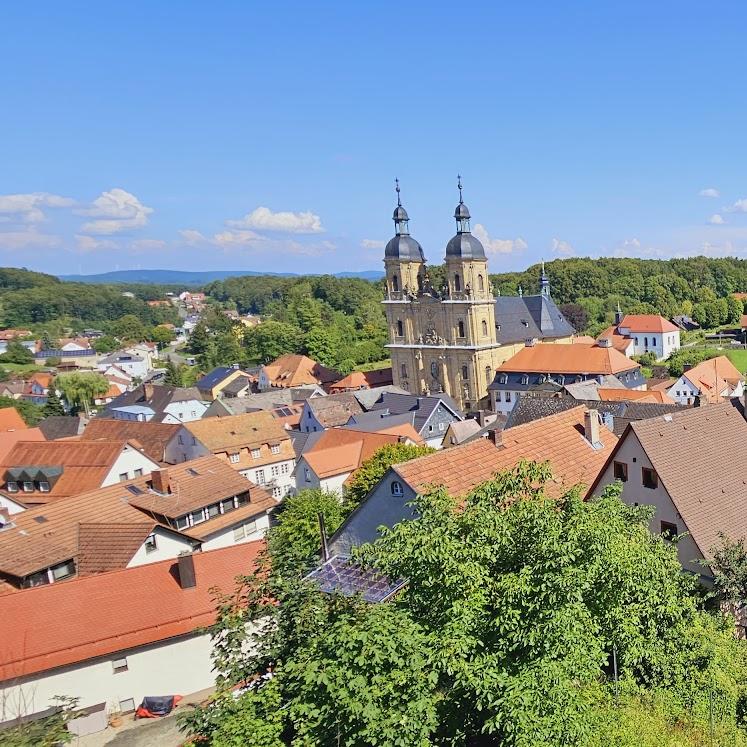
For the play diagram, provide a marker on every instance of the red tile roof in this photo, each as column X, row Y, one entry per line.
column 10, row 438
column 647, row 323
column 619, row 342
column 109, row 547
column 568, row 359
column 153, row 437
column 714, row 376
column 634, row 395
column 66, row 623
column 11, row 420
column 558, row 439
column 296, row 370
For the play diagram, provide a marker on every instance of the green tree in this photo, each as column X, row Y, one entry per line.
column 199, row 339
column 53, row 405
column 367, row 476
column 271, row 339
column 174, row 374
column 162, row 336
column 295, row 540
column 80, row 389
column 17, row 353
column 47, row 342
column 734, row 310
column 130, row 328
column 30, row 412
column 105, row 344
column 49, row 731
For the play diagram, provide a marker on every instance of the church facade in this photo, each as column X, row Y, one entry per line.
column 452, row 339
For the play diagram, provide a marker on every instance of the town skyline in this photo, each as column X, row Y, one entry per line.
column 594, row 134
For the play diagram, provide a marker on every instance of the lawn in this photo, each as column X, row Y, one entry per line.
column 738, row 358
column 21, row 368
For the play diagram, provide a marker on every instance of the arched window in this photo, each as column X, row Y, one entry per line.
column 484, row 328
column 457, row 282
column 488, row 374
column 400, row 328
column 465, row 373
column 403, row 370
column 434, row 369
column 396, row 487
column 653, row 342
column 645, row 342
column 460, row 328
column 480, row 283
column 395, row 283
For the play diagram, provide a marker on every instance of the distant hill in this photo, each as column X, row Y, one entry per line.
column 184, row 277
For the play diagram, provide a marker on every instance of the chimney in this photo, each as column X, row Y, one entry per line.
column 160, row 481
column 591, row 428
column 687, row 367
column 495, row 436
column 4, row 516
column 604, row 342
column 148, row 391
column 187, row 577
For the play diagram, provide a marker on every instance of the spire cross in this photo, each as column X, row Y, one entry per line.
column 459, row 185
column 399, row 202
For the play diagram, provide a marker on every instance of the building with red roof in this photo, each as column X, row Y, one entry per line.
column 636, row 334
column 115, row 637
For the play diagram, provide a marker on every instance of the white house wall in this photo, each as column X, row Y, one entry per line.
column 183, row 448
column 168, row 546
column 178, row 666
column 255, row 529
column 634, row 494
column 186, row 411
column 127, row 462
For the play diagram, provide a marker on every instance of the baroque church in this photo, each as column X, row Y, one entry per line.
column 451, row 339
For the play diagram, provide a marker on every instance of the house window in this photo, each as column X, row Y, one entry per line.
column 63, row 570
column 150, row 543
column 397, row 488
column 124, row 476
column 460, row 329
column 284, row 469
column 138, row 473
column 277, row 492
column 441, row 427
column 620, row 471
column 498, row 396
column 119, row 665
column 43, row 486
column 649, row 477
column 127, row 705
column 508, row 396
column 668, row 530
column 197, row 517
column 259, row 476
column 457, row 282
column 524, row 379
column 645, row 342
column 234, row 458
column 11, row 487
column 653, row 342
column 238, row 534
column 182, row 522
column 636, row 340
column 227, row 505
column 484, row 328
column 400, row 328
column 465, row 373
column 28, row 487
column 213, row 510
column 274, row 470
column 255, row 453
column 503, row 379
column 275, row 449
column 181, row 440
column 307, row 474
column 36, row 579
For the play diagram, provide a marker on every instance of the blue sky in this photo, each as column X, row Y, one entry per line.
column 266, row 136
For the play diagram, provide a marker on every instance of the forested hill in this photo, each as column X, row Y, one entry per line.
column 191, row 278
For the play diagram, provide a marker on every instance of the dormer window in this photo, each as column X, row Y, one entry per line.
column 43, row 486
column 524, row 379
column 503, row 379
column 542, row 378
column 28, row 486
column 397, row 488
column 11, row 487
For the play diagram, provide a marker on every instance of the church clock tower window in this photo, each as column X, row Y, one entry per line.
column 460, row 329
column 400, row 328
column 395, row 282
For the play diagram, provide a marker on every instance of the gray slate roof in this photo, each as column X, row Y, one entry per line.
column 421, row 407
column 368, row 397
column 262, row 401
column 520, row 317
column 528, row 409
column 374, row 421
column 239, row 383
column 160, row 398
column 61, row 426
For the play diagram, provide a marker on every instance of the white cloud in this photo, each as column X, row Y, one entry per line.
column 563, row 248
column 716, row 220
column 27, row 208
column 236, row 238
column 740, row 206
column 498, row 246
column 373, row 244
column 91, row 244
column 710, row 192
column 263, row 219
column 116, row 210
column 231, row 240
column 29, row 238
column 192, row 237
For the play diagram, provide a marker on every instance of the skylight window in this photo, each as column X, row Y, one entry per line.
column 193, row 472
column 40, row 519
column 134, row 489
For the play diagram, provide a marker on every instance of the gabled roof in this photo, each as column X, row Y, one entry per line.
column 558, row 439
column 11, row 420
column 85, row 465
column 634, row 395
column 647, row 323
column 66, row 623
column 699, row 455
column 619, row 342
column 264, row 400
column 155, row 397
column 338, row 451
column 713, row 376
column 528, row 409
column 109, row 547
column 296, row 370
column 152, row 437
column 237, row 385
column 568, row 359
column 421, row 407
column 235, row 431
column 368, row 397
column 212, row 379
column 364, row 380
column 45, row 535
column 518, row 318
column 334, row 410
